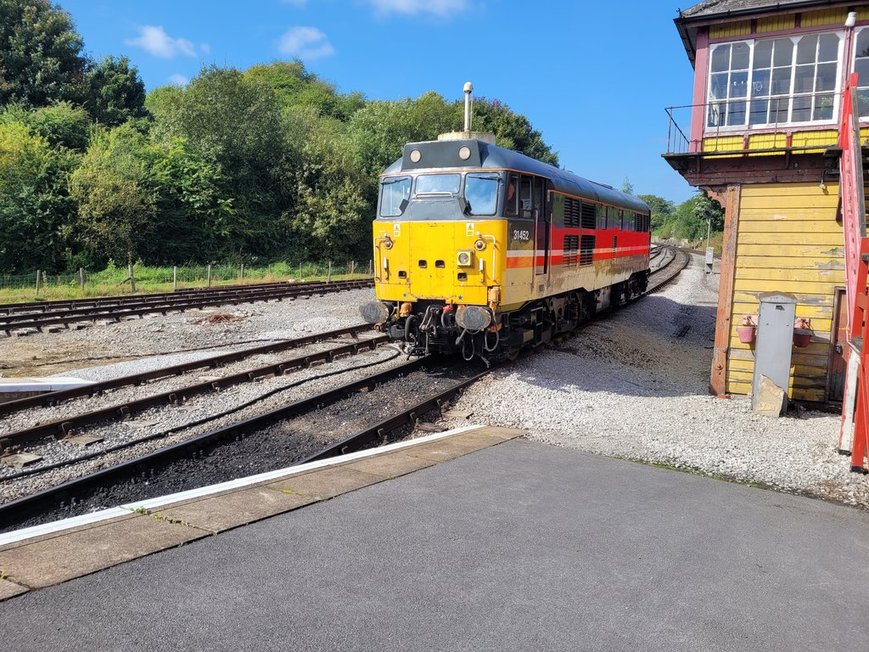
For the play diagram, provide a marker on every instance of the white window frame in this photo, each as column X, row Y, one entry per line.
column 775, row 126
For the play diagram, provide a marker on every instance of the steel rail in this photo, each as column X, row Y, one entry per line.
column 666, row 273
column 15, row 322
column 40, row 307
column 86, row 486
column 54, row 398
column 66, row 426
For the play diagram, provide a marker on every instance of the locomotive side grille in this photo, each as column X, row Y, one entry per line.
column 589, row 216
column 572, row 212
column 571, row 250
column 586, row 250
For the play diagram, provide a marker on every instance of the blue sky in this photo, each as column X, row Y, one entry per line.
column 593, row 77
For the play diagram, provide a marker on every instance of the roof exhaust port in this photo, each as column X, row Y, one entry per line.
column 466, row 133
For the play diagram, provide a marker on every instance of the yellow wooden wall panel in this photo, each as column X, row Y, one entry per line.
column 830, row 239
column 790, row 262
column 824, row 17
column 797, row 357
column 809, row 312
column 786, row 189
column 814, row 287
column 788, row 240
column 801, row 251
column 809, row 138
column 805, row 302
column 763, row 274
column 788, row 223
column 739, row 28
column 722, row 143
column 815, row 200
column 767, row 141
column 775, row 23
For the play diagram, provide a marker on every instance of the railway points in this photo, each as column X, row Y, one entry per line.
column 75, row 488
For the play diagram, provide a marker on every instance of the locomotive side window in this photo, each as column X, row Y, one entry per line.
column 537, row 196
column 394, row 195
column 511, row 201
column 481, row 193
column 438, row 184
column 525, row 196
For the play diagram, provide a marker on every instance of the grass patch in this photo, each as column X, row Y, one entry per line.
column 115, row 281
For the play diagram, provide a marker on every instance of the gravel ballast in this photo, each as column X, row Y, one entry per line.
column 635, row 386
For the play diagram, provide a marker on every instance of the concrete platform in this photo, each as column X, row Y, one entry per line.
column 45, row 555
column 516, row 546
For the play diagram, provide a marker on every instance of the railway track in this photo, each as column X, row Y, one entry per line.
column 70, row 425
column 174, row 468
column 14, row 317
column 140, row 477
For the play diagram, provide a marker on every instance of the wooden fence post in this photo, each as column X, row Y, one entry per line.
column 352, row 268
column 132, row 278
column 37, row 282
column 208, row 274
column 242, row 271
column 174, row 278
column 81, row 279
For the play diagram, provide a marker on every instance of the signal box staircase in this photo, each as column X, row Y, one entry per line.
column 854, row 433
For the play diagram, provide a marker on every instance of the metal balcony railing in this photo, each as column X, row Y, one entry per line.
column 771, row 116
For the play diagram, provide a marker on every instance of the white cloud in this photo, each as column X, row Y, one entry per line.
column 155, row 41
column 178, row 80
column 413, row 7
column 305, row 43
column 204, row 48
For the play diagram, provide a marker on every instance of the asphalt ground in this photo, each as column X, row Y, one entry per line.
column 519, row 546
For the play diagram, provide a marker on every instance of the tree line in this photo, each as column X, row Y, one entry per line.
column 259, row 164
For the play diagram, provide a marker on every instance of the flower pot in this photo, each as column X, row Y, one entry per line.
column 745, row 334
column 802, row 337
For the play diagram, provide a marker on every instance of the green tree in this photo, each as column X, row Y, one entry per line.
column 62, row 125
column 36, row 212
column 661, row 208
column 689, row 220
column 116, row 203
column 330, row 217
column 194, row 217
column 294, row 86
column 114, row 92
column 380, row 130
column 40, row 54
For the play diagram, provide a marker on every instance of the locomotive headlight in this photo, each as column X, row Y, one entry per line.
column 473, row 318
column 374, row 312
column 480, row 245
column 387, row 242
column 464, row 259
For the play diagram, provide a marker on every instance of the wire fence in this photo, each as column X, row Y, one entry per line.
column 140, row 278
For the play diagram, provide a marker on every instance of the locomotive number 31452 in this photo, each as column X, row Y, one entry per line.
column 521, row 234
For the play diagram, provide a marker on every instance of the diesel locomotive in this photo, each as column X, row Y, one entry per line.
column 481, row 250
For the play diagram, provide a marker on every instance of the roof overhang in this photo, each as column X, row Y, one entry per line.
column 688, row 25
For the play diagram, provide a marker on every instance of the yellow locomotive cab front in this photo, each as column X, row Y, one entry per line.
column 453, row 261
